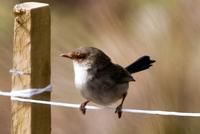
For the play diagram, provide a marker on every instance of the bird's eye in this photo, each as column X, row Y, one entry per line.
column 80, row 55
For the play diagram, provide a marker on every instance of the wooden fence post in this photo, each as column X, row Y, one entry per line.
column 31, row 54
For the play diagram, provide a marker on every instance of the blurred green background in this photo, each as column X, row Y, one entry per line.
column 168, row 31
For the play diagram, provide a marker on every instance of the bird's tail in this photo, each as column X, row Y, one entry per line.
column 140, row 64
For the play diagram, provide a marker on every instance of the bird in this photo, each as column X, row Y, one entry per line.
column 101, row 81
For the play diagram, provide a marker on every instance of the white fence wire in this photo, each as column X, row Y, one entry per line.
column 16, row 96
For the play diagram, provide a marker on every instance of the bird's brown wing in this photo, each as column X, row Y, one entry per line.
column 120, row 75
column 111, row 74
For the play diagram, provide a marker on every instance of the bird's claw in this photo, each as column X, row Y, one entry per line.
column 82, row 108
column 118, row 110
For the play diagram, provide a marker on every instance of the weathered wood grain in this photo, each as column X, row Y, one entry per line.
column 31, row 54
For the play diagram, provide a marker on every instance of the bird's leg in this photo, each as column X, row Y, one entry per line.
column 119, row 108
column 82, row 106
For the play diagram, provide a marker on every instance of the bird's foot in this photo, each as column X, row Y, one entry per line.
column 82, row 107
column 118, row 110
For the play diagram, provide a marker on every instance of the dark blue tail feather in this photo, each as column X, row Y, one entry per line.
column 140, row 64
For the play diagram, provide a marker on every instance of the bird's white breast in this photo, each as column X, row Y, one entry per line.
column 81, row 75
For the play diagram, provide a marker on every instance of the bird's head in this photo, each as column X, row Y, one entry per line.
column 87, row 55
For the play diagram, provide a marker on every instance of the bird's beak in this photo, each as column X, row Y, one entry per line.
column 67, row 55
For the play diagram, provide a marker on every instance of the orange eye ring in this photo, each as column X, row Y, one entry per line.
column 80, row 55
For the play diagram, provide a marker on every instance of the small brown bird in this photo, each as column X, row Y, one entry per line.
column 101, row 81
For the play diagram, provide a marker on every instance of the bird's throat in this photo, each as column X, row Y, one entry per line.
column 81, row 75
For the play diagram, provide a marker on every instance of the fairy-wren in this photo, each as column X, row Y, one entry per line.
column 101, row 81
